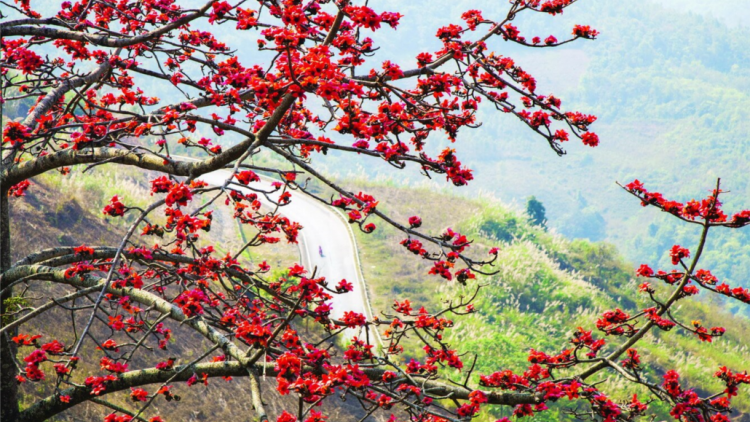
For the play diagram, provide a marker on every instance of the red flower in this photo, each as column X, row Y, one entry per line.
column 19, row 189
column 472, row 18
column 344, row 286
column 467, row 410
column 423, row 59
column 138, row 394
column 109, row 345
column 286, row 417
column 27, row 60
column 194, row 380
column 449, row 32
column 166, row 365
column 591, row 139
column 463, row 275
column 61, row 369
column 25, row 339
column 644, row 271
column 219, row 10
column 161, row 185
column 54, row 348
column 585, row 31
column 33, row 373
column 678, row 253
column 179, row 194
column 115, row 207
column 16, row 133
column 247, row 176
column 392, row 70
column 402, row 307
column 352, row 319
column 36, row 357
column 354, row 215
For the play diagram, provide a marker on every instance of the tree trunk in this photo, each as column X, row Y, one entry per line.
column 8, row 383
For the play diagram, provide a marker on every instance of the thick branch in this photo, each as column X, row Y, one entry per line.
column 54, row 96
column 56, row 257
column 70, row 157
column 52, row 405
column 140, row 296
column 104, row 40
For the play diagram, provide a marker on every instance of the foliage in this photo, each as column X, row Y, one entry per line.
column 13, row 305
column 672, row 103
column 546, row 286
column 536, row 211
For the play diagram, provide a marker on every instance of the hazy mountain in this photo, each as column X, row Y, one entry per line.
column 670, row 82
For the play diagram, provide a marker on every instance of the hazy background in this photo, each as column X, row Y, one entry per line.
column 670, row 82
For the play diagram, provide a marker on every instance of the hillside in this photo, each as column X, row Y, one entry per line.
column 670, row 88
column 64, row 211
column 668, row 80
column 547, row 285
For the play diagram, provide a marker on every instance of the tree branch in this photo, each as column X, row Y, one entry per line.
column 102, row 40
column 140, row 296
column 52, row 405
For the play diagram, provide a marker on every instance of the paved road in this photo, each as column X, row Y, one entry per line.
column 325, row 228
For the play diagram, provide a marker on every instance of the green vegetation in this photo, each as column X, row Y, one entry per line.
column 536, row 211
column 14, row 305
column 670, row 88
column 546, row 286
column 671, row 92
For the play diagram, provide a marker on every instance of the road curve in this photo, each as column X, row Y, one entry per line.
column 324, row 228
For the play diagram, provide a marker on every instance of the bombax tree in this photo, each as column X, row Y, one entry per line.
column 84, row 68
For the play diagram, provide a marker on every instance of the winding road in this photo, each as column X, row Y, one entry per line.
column 325, row 228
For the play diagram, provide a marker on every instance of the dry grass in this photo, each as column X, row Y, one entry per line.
column 46, row 218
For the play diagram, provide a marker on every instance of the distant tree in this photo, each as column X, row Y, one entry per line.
column 88, row 65
column 535, row 210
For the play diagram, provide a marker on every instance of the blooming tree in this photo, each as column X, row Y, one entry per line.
column 315, row 88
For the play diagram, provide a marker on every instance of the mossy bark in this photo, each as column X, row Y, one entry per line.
column 8, row 371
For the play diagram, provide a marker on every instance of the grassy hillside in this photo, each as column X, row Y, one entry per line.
column 670, row 88
column 546, row 287
column 65, row 211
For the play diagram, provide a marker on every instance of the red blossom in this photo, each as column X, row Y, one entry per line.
column 115, row 207
column 16, row 133
column 19, row 189
column 247, row 176
column 138, row 394
column 678, row 253
column 585, row 31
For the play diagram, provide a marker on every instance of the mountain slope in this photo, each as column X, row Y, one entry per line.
column 546, row 286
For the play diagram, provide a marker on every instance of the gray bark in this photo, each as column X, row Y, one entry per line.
column 8, row 371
